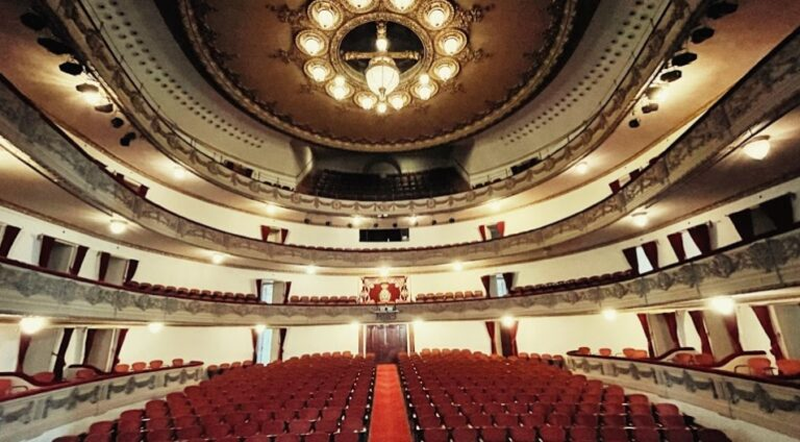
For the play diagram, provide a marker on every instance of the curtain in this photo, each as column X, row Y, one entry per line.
column 255, row 344
column 743, row 222
column 615, row 186
column 77, row 262
column 630, row 256
column 646, row 327
column 287, row 290
column 733, row 332
column 9, row 236
column 508, row 277
column 47, row 248
column 501, row 228
column 61, row 356
column 281, row 341
column 284, row 234
column 123, row 332
column 482, row 231
column 259, row 285
column 265, row 231
column 672, row 325
column 676, row 242
column 765, row 318
column 486, row 281
column 701, row 235
column 698, row 319
column 508, row 339
column 490, row 327
column 780, row 211
column 24, row 343
column 105, row 258
column 87, row 346
column 651, row 251
column 130, row 272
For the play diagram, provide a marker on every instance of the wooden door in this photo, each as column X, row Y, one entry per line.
column 386, row 341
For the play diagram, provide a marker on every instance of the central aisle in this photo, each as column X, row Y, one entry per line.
column 389, row 420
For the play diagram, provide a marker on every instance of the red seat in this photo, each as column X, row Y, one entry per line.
column 435, row 435
column 102, row 427
column 678, row 435
column 646, row 435
column 552, row 434
column 583, row 434
column 672, row 421
column 493, row 434
column 317, row 437
column 667, row 409
column 346, row 437
column 189, row 432
column 709, row 435
column 160, row 435
column 246, row 429
column 520, row 434
column 218, row 430
column 614, row 434
column 135, row 436
column 300, row 427
column 288, row 438
column 506, row 420
column 272, row 427
column 67, row 439
column 139, row 366
column 464, row 434
column 97, row 437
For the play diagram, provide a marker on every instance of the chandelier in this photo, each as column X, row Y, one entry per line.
column 381, row 55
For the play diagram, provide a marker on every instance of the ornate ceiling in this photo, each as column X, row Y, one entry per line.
column 513, row 49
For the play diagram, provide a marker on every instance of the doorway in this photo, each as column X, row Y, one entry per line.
column 386, row 341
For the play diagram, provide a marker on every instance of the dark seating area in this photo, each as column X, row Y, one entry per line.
column 319, row 398
column 461, row 396
column 571, row 284
column 372, row 187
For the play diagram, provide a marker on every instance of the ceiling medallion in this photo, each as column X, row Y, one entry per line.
column 381, row 55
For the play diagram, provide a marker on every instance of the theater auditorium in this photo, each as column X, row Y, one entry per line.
column 399, row 221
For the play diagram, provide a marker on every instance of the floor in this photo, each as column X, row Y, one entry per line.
column 389, row 421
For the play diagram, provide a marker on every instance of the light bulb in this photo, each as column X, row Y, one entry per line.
column 382, row 44
column 723, row 305
column 217, row 258
column 495, row 205
column 424, row 91
column 355, row 325
column 413, row 219
column 436, row 17
column 452, row 45
column 356, row 221
column 424, row 79
column 366, row 101
column 311, row 269
column 319, row 73
column 640, row 219
column 311, row 44
column 155, row 327
column 93, row 98
column 610, row 314
column 757, row 150
column 418, row 322
column 457, row 266
column 271, row 209
column 178, row 172
column 445, row 72
column 32, row 324
column 117, row 226
column 339, row 92
column 381, row 107
column 402, row 5
column 507, row 321
column 397, row 101
column 326, row 18
column 582, row 167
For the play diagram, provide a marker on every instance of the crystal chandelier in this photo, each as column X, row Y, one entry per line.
column 414, row 49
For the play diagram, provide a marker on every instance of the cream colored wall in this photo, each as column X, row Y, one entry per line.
column 470, row 335
column 9, row 347
column 212, row 345
column 319, row 339
column 560, row 334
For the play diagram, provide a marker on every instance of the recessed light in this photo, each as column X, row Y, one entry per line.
column 610, row 314
column 457, row 266
column 117, row 226
column 217, row 258
column 582, row 167
column 32, row 324
column 155, row 327
column 724, row 305
column 640, row 218
column 507, row 321
column 311, row 269
column 758, row 149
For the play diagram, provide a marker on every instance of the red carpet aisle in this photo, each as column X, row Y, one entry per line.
column 389, row 420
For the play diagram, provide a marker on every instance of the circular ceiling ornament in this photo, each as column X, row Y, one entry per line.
column 380, row 50
column 459, row 66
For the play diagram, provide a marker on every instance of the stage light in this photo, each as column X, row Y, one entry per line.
column 117, row 122
column 54, row 46
column 758, row 149
column 155, row 327
column 720, row 9
column 634, row 123
column 418, row 322
column 684, row 59
column 217, row 258
column 413, row 220
column 610, row 314
column 355, row 325
column 356, row 220
column 311, row 269
column 582, row 167
column 127, row 139
column 656, row 94
column 701, row 34
column 105, row 108
column 178, row 172
column 671, row 76
column 33, row 21
column 649, row 108
column 640, row 219
column 724, row 305
column 457, row 266
column 494, row 205
column 71, row 68
column 32, row 324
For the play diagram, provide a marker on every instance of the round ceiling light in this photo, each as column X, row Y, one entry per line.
column 451, row 42
column 311, row 43
column 339, row 89
column 32, row 324
column 366, row 100
column 425, row 88
column 361, row 5
column 402, row 5
column 318, row 70
column 445, row 69
column 117, row 226
column 325, row 14
column 437, row 14
column 399, row 100
column 383, row 77
column 758, row 149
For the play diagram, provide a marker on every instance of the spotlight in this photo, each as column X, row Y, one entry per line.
column 413, row 220
column 311, row 269
column 582, row 167
column 457, row 266
column 33, row 21
column 640, row 219
column 656, row 94
column 507, row 321
column 357, row 220
column 649, row 108
column 271, row 209
column 54, row 46
column 634, row 123
column 721, row 9
column 494, row 205
column 217, row 258
column 259, row 328
column 155, row 327
column 127, row 139
column 117, row 122
column 178, row 172
column 610, row 314
column 673, row 75
column 117, row 226
column 701, row 34
column 32, row 324
column 757, row 149
column 684, row 59
column 723, row 305
column 71, row 68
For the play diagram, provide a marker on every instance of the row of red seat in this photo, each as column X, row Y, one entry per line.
column 315, row 399
column 183, row 292
column 325, row 299
column 466, row 397
column 571, row 284
column 448, row 296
